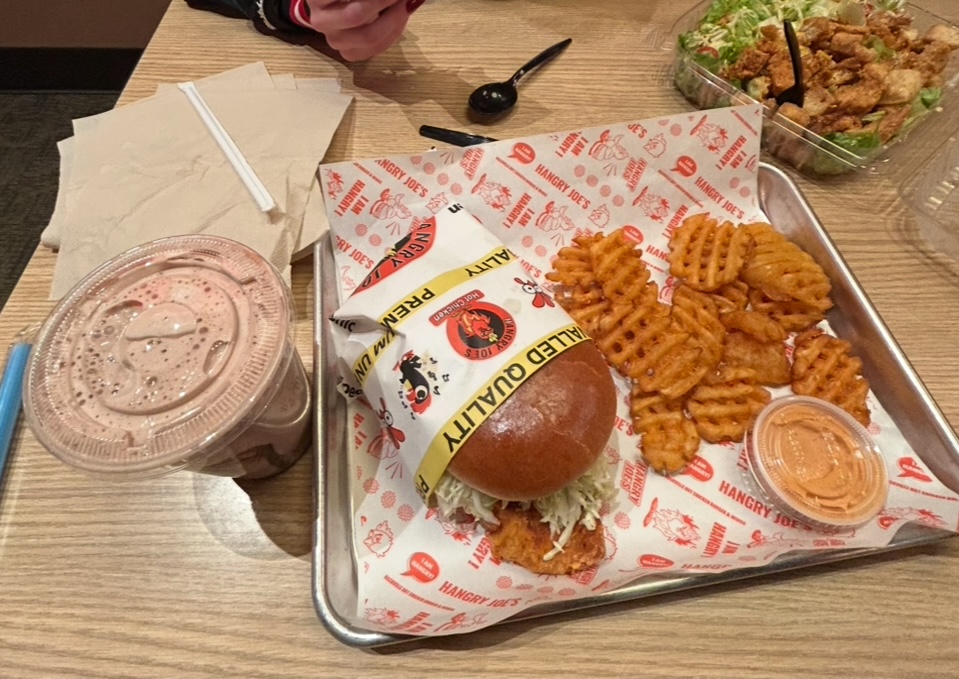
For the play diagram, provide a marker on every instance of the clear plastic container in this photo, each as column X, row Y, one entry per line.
column 804, row 150
column 177, row 354
column 816, row 463
column 930, row 193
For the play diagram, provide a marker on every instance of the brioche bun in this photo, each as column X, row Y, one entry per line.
column 547, row 434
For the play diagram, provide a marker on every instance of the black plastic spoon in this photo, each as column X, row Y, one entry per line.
column 495, row 99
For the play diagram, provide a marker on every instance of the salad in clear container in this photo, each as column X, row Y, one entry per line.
column 871, row 72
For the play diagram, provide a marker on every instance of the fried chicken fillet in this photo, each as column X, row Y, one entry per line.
column 523, row 538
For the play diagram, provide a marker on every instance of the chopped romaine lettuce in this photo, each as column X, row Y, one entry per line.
column 730, row 26
column 859, row 142
column 930, row 96
column 875, row 43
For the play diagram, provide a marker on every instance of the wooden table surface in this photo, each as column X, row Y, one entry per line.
column 195, row 576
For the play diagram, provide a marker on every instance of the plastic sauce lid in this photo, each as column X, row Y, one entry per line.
column 160, row 357
column 817, row 463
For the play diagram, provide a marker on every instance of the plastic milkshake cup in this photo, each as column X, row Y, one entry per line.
column 177, row 354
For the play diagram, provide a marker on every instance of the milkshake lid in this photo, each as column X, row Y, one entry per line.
column 160, row 357
column 817, row 463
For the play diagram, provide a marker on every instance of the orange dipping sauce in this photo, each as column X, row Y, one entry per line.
column 817, row 463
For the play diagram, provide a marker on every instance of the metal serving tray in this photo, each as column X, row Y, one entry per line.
column 892, row 378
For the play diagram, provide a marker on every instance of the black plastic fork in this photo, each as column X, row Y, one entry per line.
column 797, row 93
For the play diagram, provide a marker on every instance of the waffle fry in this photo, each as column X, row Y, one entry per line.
column 755, row 324
column 577, row 290
column 762, row 233
column 824, row 367
column 726, row 403
column 767, row 359
column 731, row 297
column 697, row 366
column 707, row 255
column 784, row 271
column 677, row 371
column 572, row 267
column 602, row 284
column 793, row 316
column 644, row 345
column 669, row 438
column 618, row 267
column 589, row 317
column 696, row 313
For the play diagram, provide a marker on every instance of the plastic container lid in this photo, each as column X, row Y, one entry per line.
column 817, row 463
column 160, row 357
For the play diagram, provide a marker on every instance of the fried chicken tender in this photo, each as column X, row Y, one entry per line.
column 851, row 71
column 524, row 539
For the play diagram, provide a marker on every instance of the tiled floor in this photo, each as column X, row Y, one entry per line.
column 31, row 124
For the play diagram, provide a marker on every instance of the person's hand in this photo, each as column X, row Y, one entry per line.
column 360, row 29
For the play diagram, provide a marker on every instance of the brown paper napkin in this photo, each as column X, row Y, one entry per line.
column 153, row 169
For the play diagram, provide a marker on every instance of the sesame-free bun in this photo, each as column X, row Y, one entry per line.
column 547, row 433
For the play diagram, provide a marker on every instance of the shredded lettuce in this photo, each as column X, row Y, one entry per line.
column 579, row 502
column 454, row 496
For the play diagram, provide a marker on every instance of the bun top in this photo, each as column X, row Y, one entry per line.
column 547, row 434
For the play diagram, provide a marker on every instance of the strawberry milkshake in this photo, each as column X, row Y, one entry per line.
column 175, row 355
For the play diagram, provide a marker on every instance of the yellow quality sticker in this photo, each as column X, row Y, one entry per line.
column 403, row 309
column 454, row 434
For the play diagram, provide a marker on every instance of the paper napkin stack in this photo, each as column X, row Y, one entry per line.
column 160, row 167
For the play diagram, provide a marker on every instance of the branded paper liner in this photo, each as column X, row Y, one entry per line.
column 420, row 575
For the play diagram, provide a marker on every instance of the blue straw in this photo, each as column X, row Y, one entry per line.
column 11, row 395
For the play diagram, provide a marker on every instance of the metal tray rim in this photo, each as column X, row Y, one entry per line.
column 909, row 535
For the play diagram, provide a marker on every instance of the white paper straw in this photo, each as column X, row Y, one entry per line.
column 253, row 184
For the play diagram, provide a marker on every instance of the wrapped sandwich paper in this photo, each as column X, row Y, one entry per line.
column 439, row 334
column 420, row 574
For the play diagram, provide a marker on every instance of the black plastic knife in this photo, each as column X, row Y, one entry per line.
column 452, row 136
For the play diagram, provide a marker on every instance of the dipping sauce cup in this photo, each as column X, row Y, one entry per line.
column 177, row 354
column 816, row 463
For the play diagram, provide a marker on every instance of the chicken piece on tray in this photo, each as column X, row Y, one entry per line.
column 522, row 538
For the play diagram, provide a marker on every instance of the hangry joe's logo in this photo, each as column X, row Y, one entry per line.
column 408, row 249
column 476, row 330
